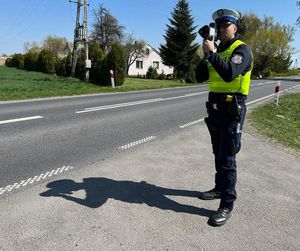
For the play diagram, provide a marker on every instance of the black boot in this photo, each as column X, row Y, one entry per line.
column 220, row 217
column 210, row 195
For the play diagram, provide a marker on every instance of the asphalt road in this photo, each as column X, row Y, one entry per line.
column 77, row 131
column 123, row 171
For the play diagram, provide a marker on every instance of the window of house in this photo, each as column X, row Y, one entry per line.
column 139, row 64
column 156, row 65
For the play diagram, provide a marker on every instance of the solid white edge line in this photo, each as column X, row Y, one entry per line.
column 19, row 119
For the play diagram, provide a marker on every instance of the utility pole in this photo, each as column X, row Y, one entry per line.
column 76, row 38
column 80, row 37
column 86, row 45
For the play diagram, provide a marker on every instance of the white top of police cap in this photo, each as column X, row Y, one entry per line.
column 226, row 15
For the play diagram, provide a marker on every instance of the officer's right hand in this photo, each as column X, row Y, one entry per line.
column 208, row 45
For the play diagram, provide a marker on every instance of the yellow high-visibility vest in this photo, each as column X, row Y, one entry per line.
column 240, row 84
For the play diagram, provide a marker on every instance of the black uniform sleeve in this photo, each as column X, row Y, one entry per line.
column 201, row 72
column 239, row 63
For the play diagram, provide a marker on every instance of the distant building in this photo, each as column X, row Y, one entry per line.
column 151, row 58
column 2, row 60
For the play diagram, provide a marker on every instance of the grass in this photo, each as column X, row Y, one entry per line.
column 281, row 124
column 20, row 84
column 292, row 72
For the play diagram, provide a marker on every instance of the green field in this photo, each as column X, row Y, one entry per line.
column 281, row 124
column 20, row 84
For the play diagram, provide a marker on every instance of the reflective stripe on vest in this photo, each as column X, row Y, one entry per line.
column 240, row 84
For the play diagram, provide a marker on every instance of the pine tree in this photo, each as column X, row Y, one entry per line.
column 179, row 49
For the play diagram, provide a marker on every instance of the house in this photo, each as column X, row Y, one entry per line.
column 151, row 58
column 2, row 60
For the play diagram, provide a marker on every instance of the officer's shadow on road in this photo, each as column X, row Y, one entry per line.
column 98, row 190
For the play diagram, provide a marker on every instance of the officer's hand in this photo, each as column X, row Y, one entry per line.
column 208, row 46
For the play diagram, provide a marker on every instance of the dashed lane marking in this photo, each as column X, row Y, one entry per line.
column 191, row 123
column 19, row 119
column 147, row 101
column 36, row 178
column 138, row 142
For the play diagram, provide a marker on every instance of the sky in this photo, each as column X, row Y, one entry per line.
column 32, row 20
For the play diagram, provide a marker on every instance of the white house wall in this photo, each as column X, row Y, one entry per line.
column 148, row 60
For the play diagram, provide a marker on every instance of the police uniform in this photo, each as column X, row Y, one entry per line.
column 228, row 71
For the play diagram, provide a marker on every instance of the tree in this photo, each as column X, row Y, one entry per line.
column 298, row 19
column 179, row 49
column 248, row 26
column 46, row 61
column 31, row 60
column 133, row 50
column 269, row 41
column 55, row 44
column 31, row 46
column 106, row 28
column 97, row 57
column 151, row 73
column 115, row 60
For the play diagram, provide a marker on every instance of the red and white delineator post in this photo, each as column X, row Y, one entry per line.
column 276, row 95
column 112, row 78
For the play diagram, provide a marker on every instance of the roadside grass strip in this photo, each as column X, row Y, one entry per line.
column 34, row 179
column 138, row 142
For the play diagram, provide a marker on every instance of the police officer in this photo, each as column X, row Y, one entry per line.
column 228, row 71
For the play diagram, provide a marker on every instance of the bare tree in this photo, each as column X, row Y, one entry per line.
column 31, row 46
column 55, row 44
column 134, row 49
column 106, row 28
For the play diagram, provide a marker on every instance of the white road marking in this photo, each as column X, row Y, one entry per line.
column 191, row 123
column 36, row 178
column 264, row 83
column 249, row 103
column 138, row 142
column 106, row 107
column 271, row 95
column 20, row 119
column 147, row 101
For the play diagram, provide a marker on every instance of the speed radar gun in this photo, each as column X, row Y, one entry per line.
column 208, row 32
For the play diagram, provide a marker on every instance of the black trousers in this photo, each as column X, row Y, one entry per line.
column 225, row 132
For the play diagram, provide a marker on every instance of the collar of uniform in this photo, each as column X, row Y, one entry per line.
column 223, row 47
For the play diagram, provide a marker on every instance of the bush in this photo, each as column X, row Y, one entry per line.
column 60, row 66
column 46, row 61
column 8, row 62
column 80, row 65
column 96, row 55
column 17, row 60
column 151, row 73
column 115, row 60
column 190, row 76
column 63, row 66
column 162, row 76
column 31, row 61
